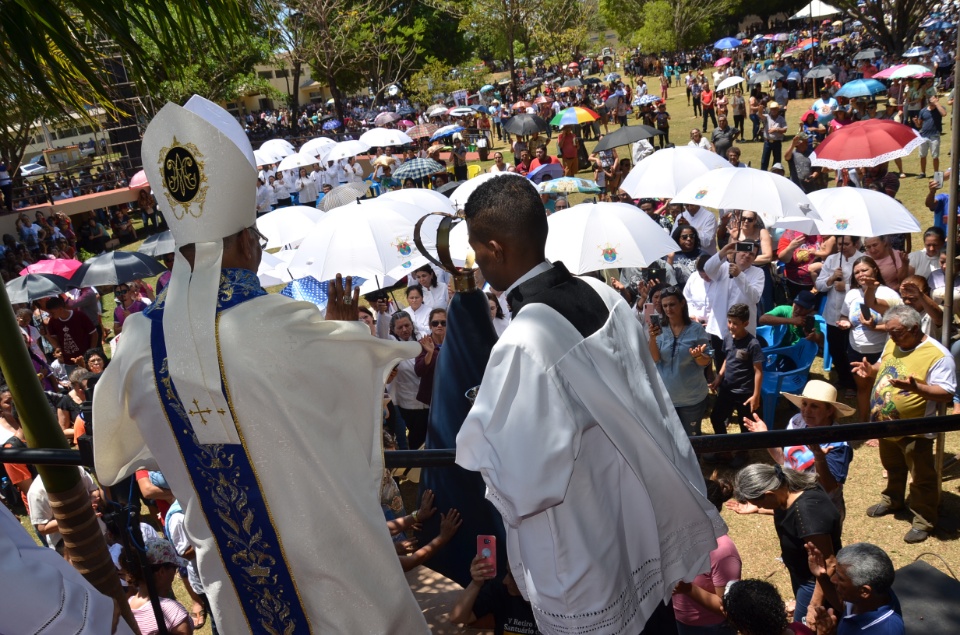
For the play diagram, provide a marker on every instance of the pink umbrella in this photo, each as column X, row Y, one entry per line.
column 406, row 123
column 885, row 73
column 139, row 180
column 723, row 61
column 58, row 267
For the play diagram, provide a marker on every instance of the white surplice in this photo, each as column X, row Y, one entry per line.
column 584, row 456
column 307, row 396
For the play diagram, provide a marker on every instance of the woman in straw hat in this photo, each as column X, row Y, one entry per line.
column 830, row 462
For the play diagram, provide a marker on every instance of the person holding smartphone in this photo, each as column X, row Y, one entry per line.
column 680, row 350
column 799, row 317
column 485, row 596
column 865, row 302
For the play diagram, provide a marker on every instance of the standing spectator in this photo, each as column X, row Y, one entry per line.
column 802, row 256
column 709, row 106
column 914, row 373
column 71, row 331
column 306, row 186
column 434, row 293
column 802, row 171
column 723, row 136
column 459, row 157
column 128, row 303
column 740, row 378
column 756, row 112
column 774, row 125
column 426, row 363
column 925, row 261
column 679, row 351
column 738, row 108
column 695, row 90
column 930, row 123
column 662, row 120
column 738, row 282
column 6, row 186
column 704, row 222
column 837, row 270
column 569, row 148
column 893, row 264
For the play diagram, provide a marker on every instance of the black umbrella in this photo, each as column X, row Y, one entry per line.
column 116, row 267
column 820, row 72
column 592, row 80
column 625, row 136
column 35, row 286
column 572, row 83
column 768, row 75
column 447, row 188
column 525, row 124
column 867, row 54
column 158, row 244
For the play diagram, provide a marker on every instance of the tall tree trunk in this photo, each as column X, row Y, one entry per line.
column 68, row 497
column 295, row 97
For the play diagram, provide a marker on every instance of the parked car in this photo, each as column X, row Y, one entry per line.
column 35, row 167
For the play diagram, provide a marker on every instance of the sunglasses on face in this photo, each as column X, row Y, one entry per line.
column 748, row 219
column 438, row 323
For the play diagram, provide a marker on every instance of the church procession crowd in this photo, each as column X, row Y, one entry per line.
column 591, row 380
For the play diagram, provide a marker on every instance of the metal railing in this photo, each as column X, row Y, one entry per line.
column 701, row 445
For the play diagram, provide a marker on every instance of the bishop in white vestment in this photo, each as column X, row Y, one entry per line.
column 274, row 454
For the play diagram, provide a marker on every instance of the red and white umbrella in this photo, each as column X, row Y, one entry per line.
column 866, row 144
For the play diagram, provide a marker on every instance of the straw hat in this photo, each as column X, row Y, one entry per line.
column 437, row 147
column 817, row 390
column 772, row 104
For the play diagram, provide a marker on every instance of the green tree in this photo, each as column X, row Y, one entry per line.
column 624, row 16
column 894, row 24
column 559, row 28
column 656, row 33
column 288, row 36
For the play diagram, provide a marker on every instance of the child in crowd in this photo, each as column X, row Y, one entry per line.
column 740, row 378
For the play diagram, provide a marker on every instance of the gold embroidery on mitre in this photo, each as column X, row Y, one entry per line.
column 184, row 178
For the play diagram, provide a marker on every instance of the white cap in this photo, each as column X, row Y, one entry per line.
column 200, row 164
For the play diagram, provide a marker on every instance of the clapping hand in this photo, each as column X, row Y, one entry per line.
column 449, row 524
column 863, row 368
column 428, row 344
column 909, row 384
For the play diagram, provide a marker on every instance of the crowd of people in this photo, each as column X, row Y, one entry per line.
column 873, row 302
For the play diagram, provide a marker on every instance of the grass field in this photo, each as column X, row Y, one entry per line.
column 755, row 535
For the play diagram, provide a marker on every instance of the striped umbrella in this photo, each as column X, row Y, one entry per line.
column 417, row 169
column 422, row 130
column 572, row 116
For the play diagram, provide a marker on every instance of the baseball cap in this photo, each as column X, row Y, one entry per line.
column 805, row 299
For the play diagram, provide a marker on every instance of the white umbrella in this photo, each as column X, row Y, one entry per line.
column 427, row 200
column 288, row 225
column 769, row 195
column 384, row 137
column 437, row 109
column 346, row 149
column 357, row 240
column 278, row 147
column 459, row 197
column 266, row 157
column 314, row 146
column 852, row 211
column 295, row 161
column 595, row 236
column 273, row 268
column 730, row 82
column 459, row 245
column 666, row 172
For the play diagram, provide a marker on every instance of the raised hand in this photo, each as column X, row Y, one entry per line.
column 343, row 300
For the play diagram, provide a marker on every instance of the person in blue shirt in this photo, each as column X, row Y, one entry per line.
column 863, row 582
column 937, row 203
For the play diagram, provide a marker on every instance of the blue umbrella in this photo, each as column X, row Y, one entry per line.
column 939, row 26
column 546, row 171
column 861, row 88
column 916, row 51
column 612, row 77
column 333, row 124
column 310, row 289
column 647, row 99
column 480, row 108
column 486, row 88
column 727, row 43
column 446, row 131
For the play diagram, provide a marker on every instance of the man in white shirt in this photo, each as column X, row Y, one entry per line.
column 737, row 282
column 704, row 222
column 41, row 513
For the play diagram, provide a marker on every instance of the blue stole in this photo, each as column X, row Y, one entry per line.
column 229, row 493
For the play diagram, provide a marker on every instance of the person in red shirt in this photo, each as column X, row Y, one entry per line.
column 568, row 143
column 542, row 158
column 708, row 103
column 71, row 331
column 523, row 166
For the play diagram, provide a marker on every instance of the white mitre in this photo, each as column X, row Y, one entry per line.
column 200, row 165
